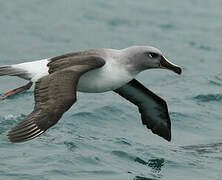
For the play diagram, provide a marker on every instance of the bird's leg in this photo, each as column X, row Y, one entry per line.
column 16, row 91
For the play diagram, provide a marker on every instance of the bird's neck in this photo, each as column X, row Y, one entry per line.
column 128, row 58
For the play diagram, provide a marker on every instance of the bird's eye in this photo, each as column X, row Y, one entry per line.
column 152, row 55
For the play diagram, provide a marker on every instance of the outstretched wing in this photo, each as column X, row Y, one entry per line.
column 54, row 95
column 153, row 109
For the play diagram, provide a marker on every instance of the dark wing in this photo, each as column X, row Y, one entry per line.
column 54, row 95
column 153, row 109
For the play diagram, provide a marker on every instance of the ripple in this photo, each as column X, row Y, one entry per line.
column 85, row 115
column 141, row 161
column 143, row 178
column 200, row 46
column 118, row 22
column 23, row 176
column 192, row 43
column 214, row 83
column 100, row 113
column 177, row 116
column 128, row 156
column 167, row 26
column 208, row 97
column 110, row 110
column 70, row 146
column 100, row 172
column 123, row 154
column 205, row 148
column 94, row 160
column 205, row 47
column 122, row 141
column 156, row 163
column 219, row 76
column 8, row 121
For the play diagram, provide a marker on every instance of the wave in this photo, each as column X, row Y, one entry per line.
column 156, row 163
column 205, row 148
column 219, row 76
column 6, row 122
column 208, row 97
column 143, row 178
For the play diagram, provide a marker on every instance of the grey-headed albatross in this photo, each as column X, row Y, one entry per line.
column 57, row 79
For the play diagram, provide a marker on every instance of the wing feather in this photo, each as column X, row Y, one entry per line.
column 153, row 109
column 54, row 95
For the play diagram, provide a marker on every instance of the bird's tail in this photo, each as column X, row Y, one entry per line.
column 10, row 71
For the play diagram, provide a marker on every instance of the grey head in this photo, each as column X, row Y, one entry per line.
column 140, row 58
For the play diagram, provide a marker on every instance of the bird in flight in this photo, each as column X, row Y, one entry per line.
column 58, row 79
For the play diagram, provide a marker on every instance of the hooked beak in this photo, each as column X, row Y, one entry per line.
column 166, row 64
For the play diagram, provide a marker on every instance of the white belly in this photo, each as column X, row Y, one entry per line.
column 103, row 79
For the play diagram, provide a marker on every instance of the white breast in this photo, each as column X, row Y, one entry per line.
column 109, row 77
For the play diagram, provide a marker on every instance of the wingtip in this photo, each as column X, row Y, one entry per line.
column 24, row 131
column 20, row 139
column 162, row 131
column 166, row 134
column 168, row 138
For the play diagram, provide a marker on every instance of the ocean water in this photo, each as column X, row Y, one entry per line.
column 101, row 137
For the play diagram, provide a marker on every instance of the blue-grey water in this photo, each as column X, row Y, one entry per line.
column 101, row 136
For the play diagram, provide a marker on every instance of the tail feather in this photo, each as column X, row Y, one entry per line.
column 29, row 71
column 10, row 71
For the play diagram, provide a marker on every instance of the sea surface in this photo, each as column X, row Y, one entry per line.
column 101, row 137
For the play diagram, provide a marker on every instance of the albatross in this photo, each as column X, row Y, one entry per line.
column 58, row 79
